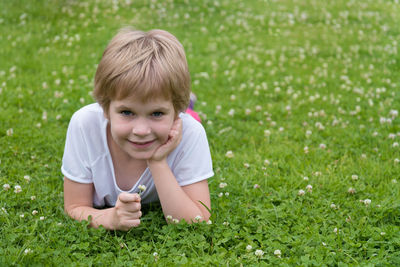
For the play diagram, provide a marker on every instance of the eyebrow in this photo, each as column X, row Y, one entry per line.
column 122, row 106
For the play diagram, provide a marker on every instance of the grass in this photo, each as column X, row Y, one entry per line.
column 310, row 86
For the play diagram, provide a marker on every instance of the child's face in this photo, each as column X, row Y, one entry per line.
column 140, row 128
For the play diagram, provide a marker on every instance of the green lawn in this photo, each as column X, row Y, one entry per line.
column 304, row 93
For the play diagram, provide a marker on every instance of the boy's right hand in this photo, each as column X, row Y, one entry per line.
column 127, row 211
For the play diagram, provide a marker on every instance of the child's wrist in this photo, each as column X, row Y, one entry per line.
column 151, row 163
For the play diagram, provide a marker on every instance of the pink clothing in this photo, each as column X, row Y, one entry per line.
column 194, row 114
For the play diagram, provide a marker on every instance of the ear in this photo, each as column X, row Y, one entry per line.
column 176, row 115
column 106, row 113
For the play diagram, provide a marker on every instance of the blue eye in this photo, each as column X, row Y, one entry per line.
column 157, row 114
column 126, row 113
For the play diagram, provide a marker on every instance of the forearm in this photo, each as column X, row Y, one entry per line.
column 174, row 201
column 98, row 217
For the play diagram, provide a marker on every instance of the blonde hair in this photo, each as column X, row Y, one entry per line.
column 145, row 65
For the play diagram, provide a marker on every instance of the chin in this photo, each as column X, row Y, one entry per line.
column 141, row 155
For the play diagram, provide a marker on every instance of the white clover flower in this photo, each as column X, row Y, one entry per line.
column 396, row 160
column 142, row 188
column 267, row 133
column 155, row 254
column 27, row 178
column 34, row 212
column 42, row 218
column 231, row 112
column 28, row 251
column 374, row 134
column 6, row 187
column 17, row 189
column 333, row 206
column 335, row 230
column 10, row 132
column 354, row 177
column 220, row 194
column 301, row 192
column 198, row 218
column 22, row 215
column 277, row 253
column 306, row 149
column 351, row 190
column 256, row 186
column 394, row 181
column 226, row 193
column 367, row 201
column 305, row 178
column 246, row 165
column 175, row 220
column 324, row 244
column 258, row 108
column 259, row 253
column 169, row 217
column 209, row 222
column 249, row 247
column 308, row 133
column 247, row 111
column 222, row 185
column 395, row 144
column 394, row 113
column 33, row 197
column 392, row 136
column 225, row 223
column 229, row 154
column 383, row 233
column 309, row 188
column 322, row 146
column 4, row 210
column 267, row 162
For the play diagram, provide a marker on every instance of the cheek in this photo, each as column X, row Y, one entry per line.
column 163, row 131
column 118, row 130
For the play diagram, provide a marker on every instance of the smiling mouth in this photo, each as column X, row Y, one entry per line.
column 142, row 144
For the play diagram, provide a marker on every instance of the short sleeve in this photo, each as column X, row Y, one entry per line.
column 193, row 162
column 75, row 162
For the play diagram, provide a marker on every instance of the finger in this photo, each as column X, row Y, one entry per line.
column 132, row 223
column 128, row 198
column 132, row 207
column 125, row 214
column 178, row 124
column 128, row 224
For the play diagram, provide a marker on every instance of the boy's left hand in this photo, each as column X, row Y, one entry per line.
column 174, row 138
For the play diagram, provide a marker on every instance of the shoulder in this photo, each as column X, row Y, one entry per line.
column 88, row 113
column 88, row 116
column 190, row 126
column 86, row 131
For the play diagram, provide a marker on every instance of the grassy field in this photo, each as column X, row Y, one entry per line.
column 300, row 101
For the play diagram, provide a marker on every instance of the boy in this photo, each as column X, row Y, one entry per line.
column 135, row 135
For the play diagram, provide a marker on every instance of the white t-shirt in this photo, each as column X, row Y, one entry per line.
column 87, row 158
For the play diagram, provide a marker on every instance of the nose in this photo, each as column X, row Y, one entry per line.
column 141, row 127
